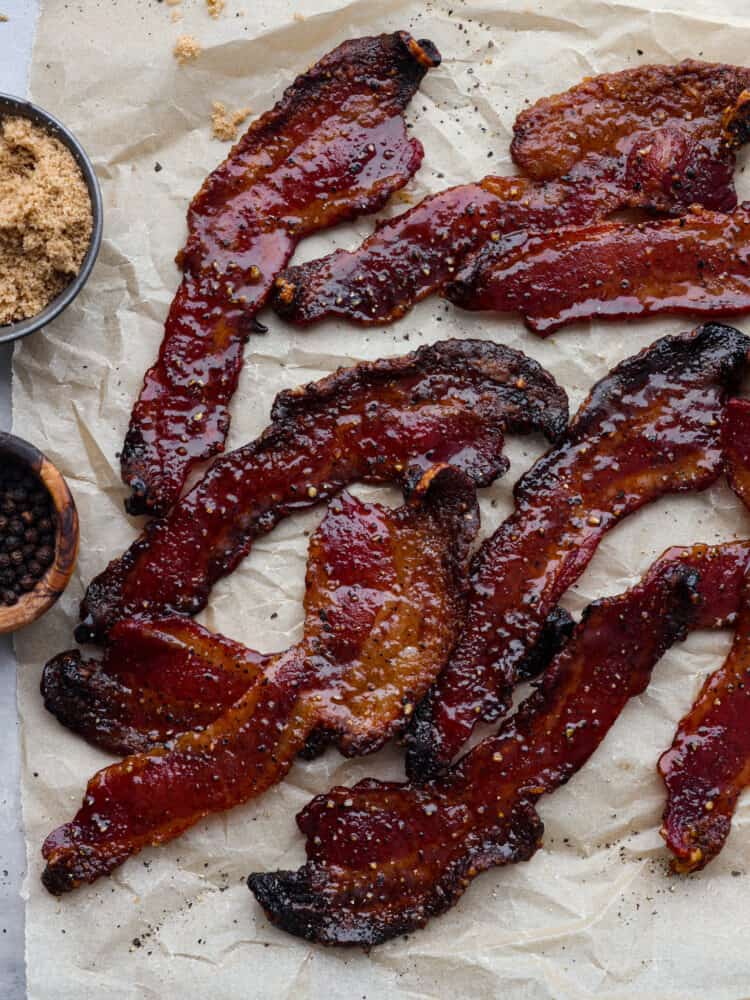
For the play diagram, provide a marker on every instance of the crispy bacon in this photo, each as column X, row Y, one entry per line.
column 650, row 427
column 737, row 447
column 697, row 110
column 667, row 161
column 385, row 599
column 696, row 265
column 334, row 147
column 385, row 857
column 450, row 402
column 158, row 678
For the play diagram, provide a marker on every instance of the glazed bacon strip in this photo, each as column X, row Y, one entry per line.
column 737, row 447
column 696, row 265
column 652, row 146
column 651, row 427
column 385, row 598
column 385, row 857
column 334, row 147
column 158, row 678
column 450, row 402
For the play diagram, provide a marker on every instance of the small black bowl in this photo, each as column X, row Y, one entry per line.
column 17, row 107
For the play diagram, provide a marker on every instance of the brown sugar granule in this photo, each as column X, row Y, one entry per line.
column 215, row 7
column 225, row 124
column 186, row 48
column 45, row 219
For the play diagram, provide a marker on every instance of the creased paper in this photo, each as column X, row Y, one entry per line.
column 594, row 914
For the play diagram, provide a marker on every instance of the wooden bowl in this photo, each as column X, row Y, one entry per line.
column 35, row 602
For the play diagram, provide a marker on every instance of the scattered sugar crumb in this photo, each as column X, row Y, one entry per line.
column 215, row 7
column 298, row 16
column 186, row 48
column 225, row 124
column 173, row 3
column 4, row 17
column 176, row 15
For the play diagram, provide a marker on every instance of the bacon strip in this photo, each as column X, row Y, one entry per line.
column 450, row 402
column 385, row 857
column 334, row 147
column 386, row 597
column 737, row 447
column 672, row 154
column 157, row 679
column 692, row 103
column 651, row 427
column 696, row 265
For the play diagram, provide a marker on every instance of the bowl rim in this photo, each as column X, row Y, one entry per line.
column 51, row 585
column 11, row 105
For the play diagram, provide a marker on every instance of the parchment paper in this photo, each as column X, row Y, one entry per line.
column 594, row 914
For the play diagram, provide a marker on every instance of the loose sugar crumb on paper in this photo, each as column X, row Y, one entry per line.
column 176, row 15
column 173, row 3
column 186, row 49
column 215, row 7
column 225, row 124
column 4, row 17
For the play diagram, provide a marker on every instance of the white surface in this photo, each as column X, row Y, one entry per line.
column 16, row 36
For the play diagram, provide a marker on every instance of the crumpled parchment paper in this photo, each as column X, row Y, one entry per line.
column 594, row 914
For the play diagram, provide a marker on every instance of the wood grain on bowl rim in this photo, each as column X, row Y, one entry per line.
column 48, row 589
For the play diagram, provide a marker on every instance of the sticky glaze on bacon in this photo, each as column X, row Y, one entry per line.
column 385, row 857
column 650, row 427
column 669, row 167
column 696, row 265
column 450, row 402
column 334, row 147
column 158, row 678
column 737, row 447
column 694, row 108
column 169, row 676
column 385, row 599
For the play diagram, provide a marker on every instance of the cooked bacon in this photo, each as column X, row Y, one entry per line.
column 334, row 147
column 696, row 265
column 737, row 447
column 158, row 678
column 415, row 254
column 708, row 764
column 385, row 599
column 652, row 426
column 385, row 857
column 450, row 402
column 679, row 160
column 697, row 109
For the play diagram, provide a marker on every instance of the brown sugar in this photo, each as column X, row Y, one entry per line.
column 186, row 48
column 45, row 219
column 225, row 124
column 215, row 7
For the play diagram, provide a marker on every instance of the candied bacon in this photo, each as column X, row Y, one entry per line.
column 652, row 426
column 334, row 147
column 384, row 857
column 708, row 764
column 449, row 402
column 158, row 678
column 669, row 167
column 696, row 265
column 696, row 108
column 736, row 430
column 385, row 599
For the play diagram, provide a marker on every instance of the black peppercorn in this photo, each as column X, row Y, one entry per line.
column 27, row 526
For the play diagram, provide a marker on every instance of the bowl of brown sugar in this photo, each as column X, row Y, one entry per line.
column 50, row 217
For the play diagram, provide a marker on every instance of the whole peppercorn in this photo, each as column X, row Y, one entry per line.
column 27, row 531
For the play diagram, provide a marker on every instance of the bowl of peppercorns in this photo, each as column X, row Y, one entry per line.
column 38, row 533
